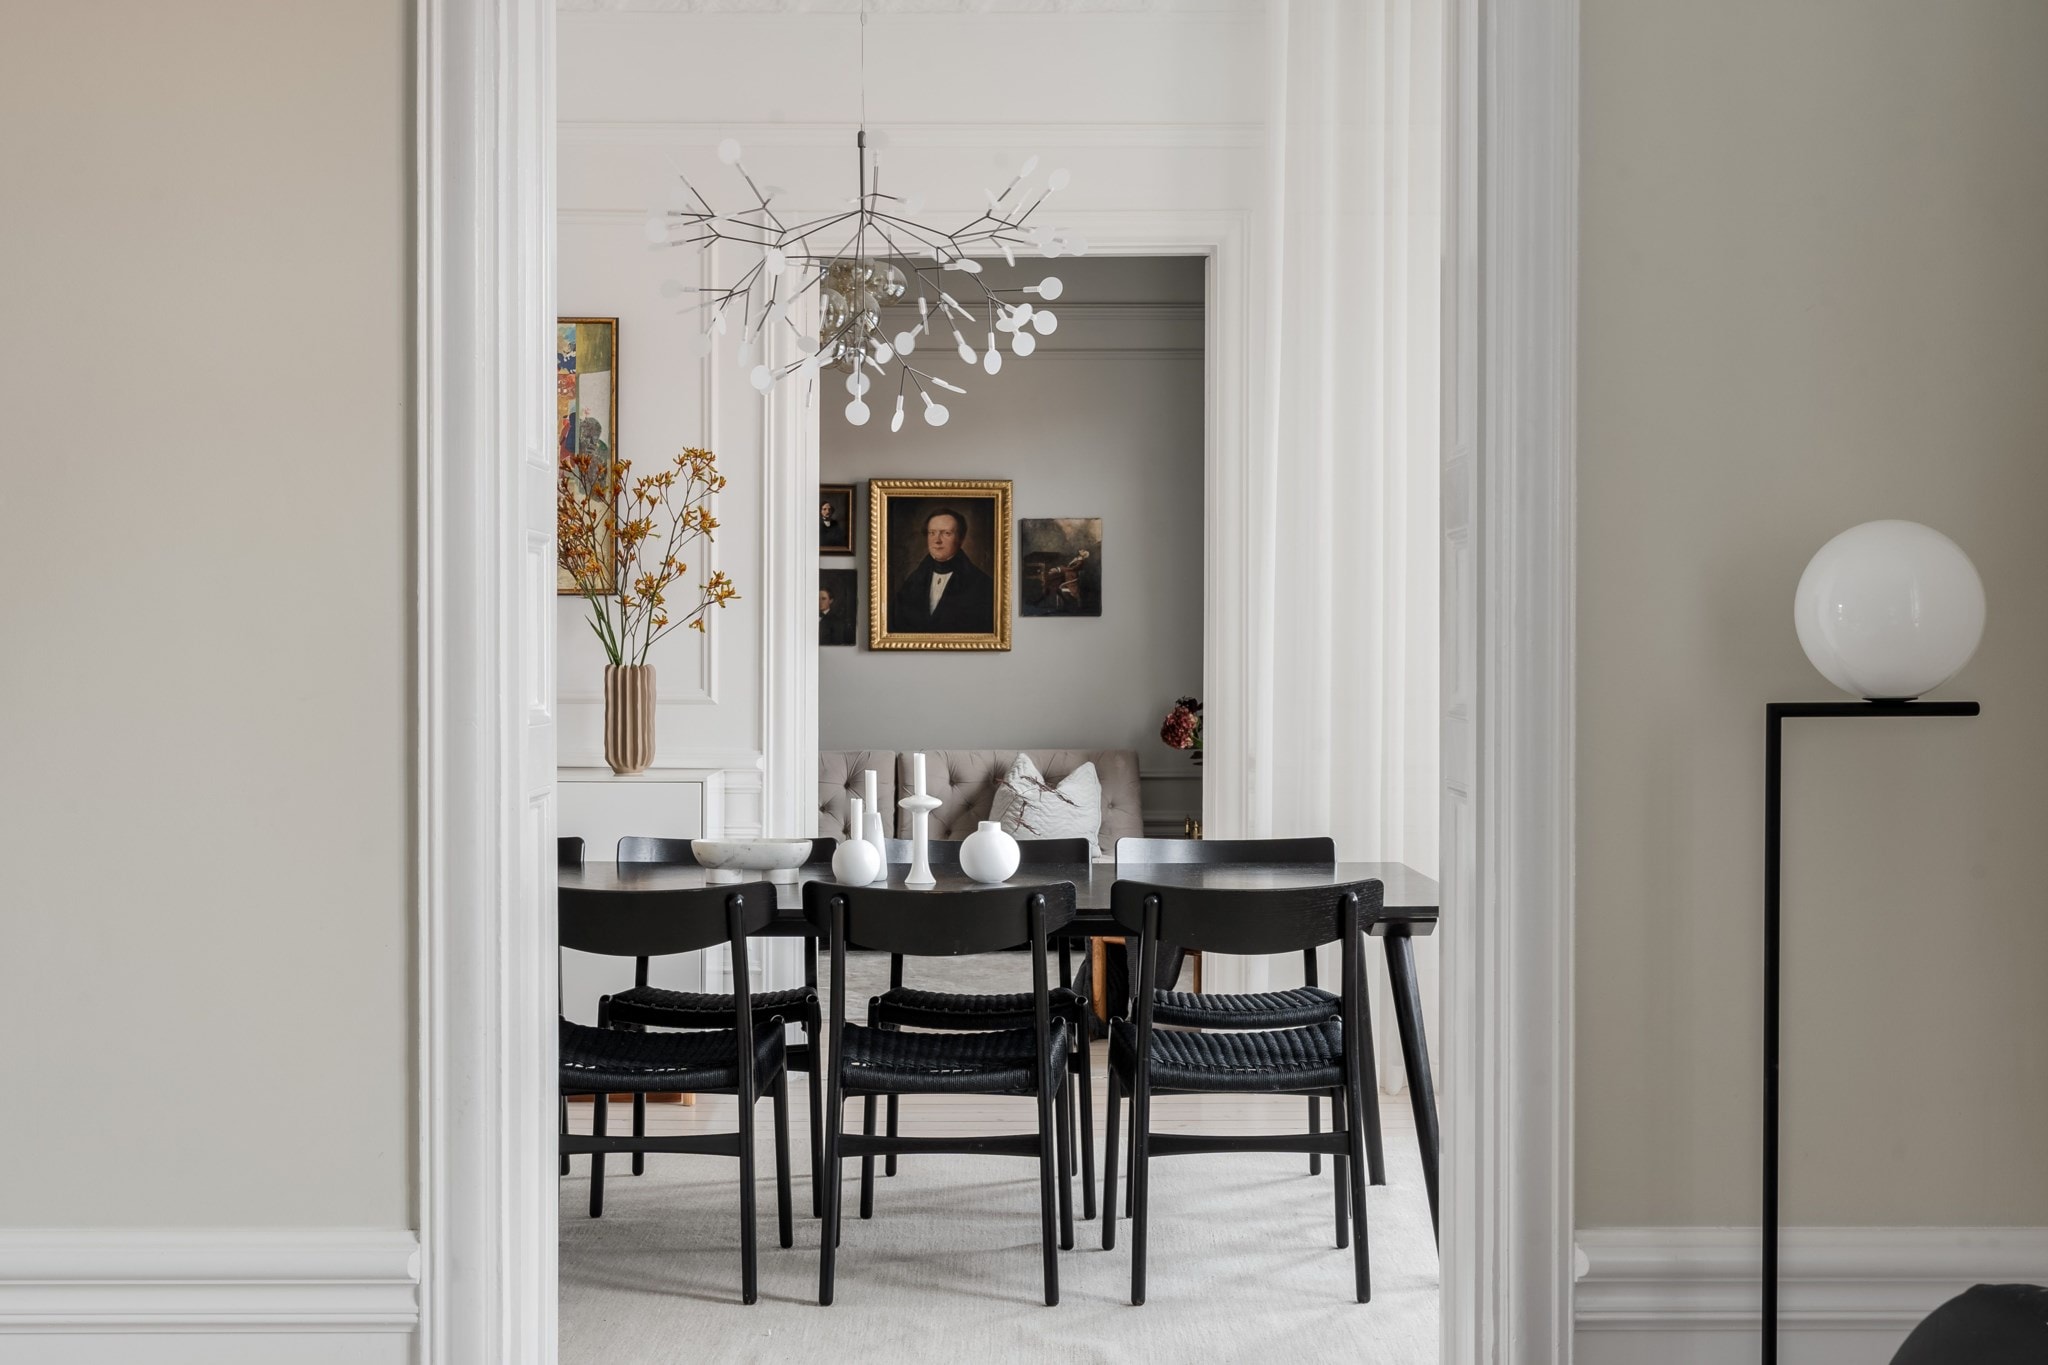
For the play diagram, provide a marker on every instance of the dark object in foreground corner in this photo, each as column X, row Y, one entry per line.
column 1991, row 1324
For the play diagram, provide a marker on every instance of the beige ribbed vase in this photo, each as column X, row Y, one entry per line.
column 629, row 717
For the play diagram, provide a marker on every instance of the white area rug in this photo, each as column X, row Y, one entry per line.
column 1243, row 1267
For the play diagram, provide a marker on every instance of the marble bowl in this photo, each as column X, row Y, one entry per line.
column 750, row 855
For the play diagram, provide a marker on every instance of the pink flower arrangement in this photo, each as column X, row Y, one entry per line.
column 1182, row 728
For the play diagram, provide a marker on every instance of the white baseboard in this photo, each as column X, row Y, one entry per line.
column 1690, row 1296
column 89, row 1294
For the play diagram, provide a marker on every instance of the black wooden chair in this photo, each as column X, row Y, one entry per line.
column 1302, row 1007
column 569, row 851
column 1324, row 1058
column 739, row 1059
column 1022, row 1061
column 655, row 1006
column 901, row 1007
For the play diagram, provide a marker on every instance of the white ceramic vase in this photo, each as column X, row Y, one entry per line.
column 855, row 861
column 873, row 832
column 990, row 854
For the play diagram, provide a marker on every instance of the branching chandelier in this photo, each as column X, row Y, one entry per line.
column 871, row 256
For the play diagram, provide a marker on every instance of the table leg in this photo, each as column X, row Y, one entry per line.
column 1415, row 1053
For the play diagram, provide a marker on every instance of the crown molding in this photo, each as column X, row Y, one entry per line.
column 977, row 136
column 1172, row 9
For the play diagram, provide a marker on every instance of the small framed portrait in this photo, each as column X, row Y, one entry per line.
column 838, row 609
column 835, row 518
column 587, row 421
column 938, row 564
column 1062, row 562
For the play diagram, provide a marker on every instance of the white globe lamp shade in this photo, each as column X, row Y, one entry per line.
column 1889, row 610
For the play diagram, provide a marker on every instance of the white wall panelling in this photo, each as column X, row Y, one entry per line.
column 1690, row 1295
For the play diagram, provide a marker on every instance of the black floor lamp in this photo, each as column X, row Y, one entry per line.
column 1888, row 611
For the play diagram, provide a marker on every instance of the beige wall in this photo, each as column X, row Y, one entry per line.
column 1814, row 292
column 205, row 979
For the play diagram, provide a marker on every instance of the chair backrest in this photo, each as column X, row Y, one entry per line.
column 1031, row 852
column 822, row 849
column 940, row 923
column 657, row 923
column 643, row 848
column 569, row 851
column 1212, row 851
column 1245, row 920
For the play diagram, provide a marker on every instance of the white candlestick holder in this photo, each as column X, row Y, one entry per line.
column 920, row 808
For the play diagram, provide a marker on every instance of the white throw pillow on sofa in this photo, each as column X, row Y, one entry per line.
column 1031, row 808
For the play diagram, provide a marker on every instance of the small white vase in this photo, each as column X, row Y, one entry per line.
column 854, row 862
column 872, row 830
column 990, row 854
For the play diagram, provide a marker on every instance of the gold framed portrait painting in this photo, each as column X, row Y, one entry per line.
column 587, row 415
column 939, row 564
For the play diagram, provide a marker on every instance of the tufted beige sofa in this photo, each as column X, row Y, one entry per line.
column 965, row 781
column 842, row 776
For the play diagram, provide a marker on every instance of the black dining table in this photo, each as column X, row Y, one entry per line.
column 1409, row 910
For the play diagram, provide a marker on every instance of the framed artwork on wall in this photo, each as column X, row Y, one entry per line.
column 939, row 564
column 587, row 406
column 1062, row 562
column 838, row 606
column 835, row 518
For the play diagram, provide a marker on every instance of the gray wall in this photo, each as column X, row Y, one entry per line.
column 209, row 615
column 1813, row 292
column 1105, row 419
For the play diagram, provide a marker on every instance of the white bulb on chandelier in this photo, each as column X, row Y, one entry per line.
column 906, row 342
column 1048, row 288
column 718, row 321
column 1030, row 165
column 883, row 355
column 1046, row 323
column 857, row 413
column 1021, row 312
column 763, row 378
column 1024, row 343
column 1077, row 246
column 1009, row 255
column 1006, row 322
column 947, row 384
column 729, row 152
column 914, row 204
column 935, row 414
column 1058, row 179
column 809, row 364
column 1049, row 248
column 857, row 383
column 773, row 261
column 896, row 422
column 991, row 360
column 966, row 351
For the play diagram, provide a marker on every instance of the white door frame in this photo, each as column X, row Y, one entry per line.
column 485, row 212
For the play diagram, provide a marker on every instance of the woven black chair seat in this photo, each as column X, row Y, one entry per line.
column 603, row 1060
column 999, row 1062
column 939, row 1009
column 694, row 1009
column 1283, row 1060
column 1298, row 1008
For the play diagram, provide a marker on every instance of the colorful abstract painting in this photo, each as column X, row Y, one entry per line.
column 586, row 396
